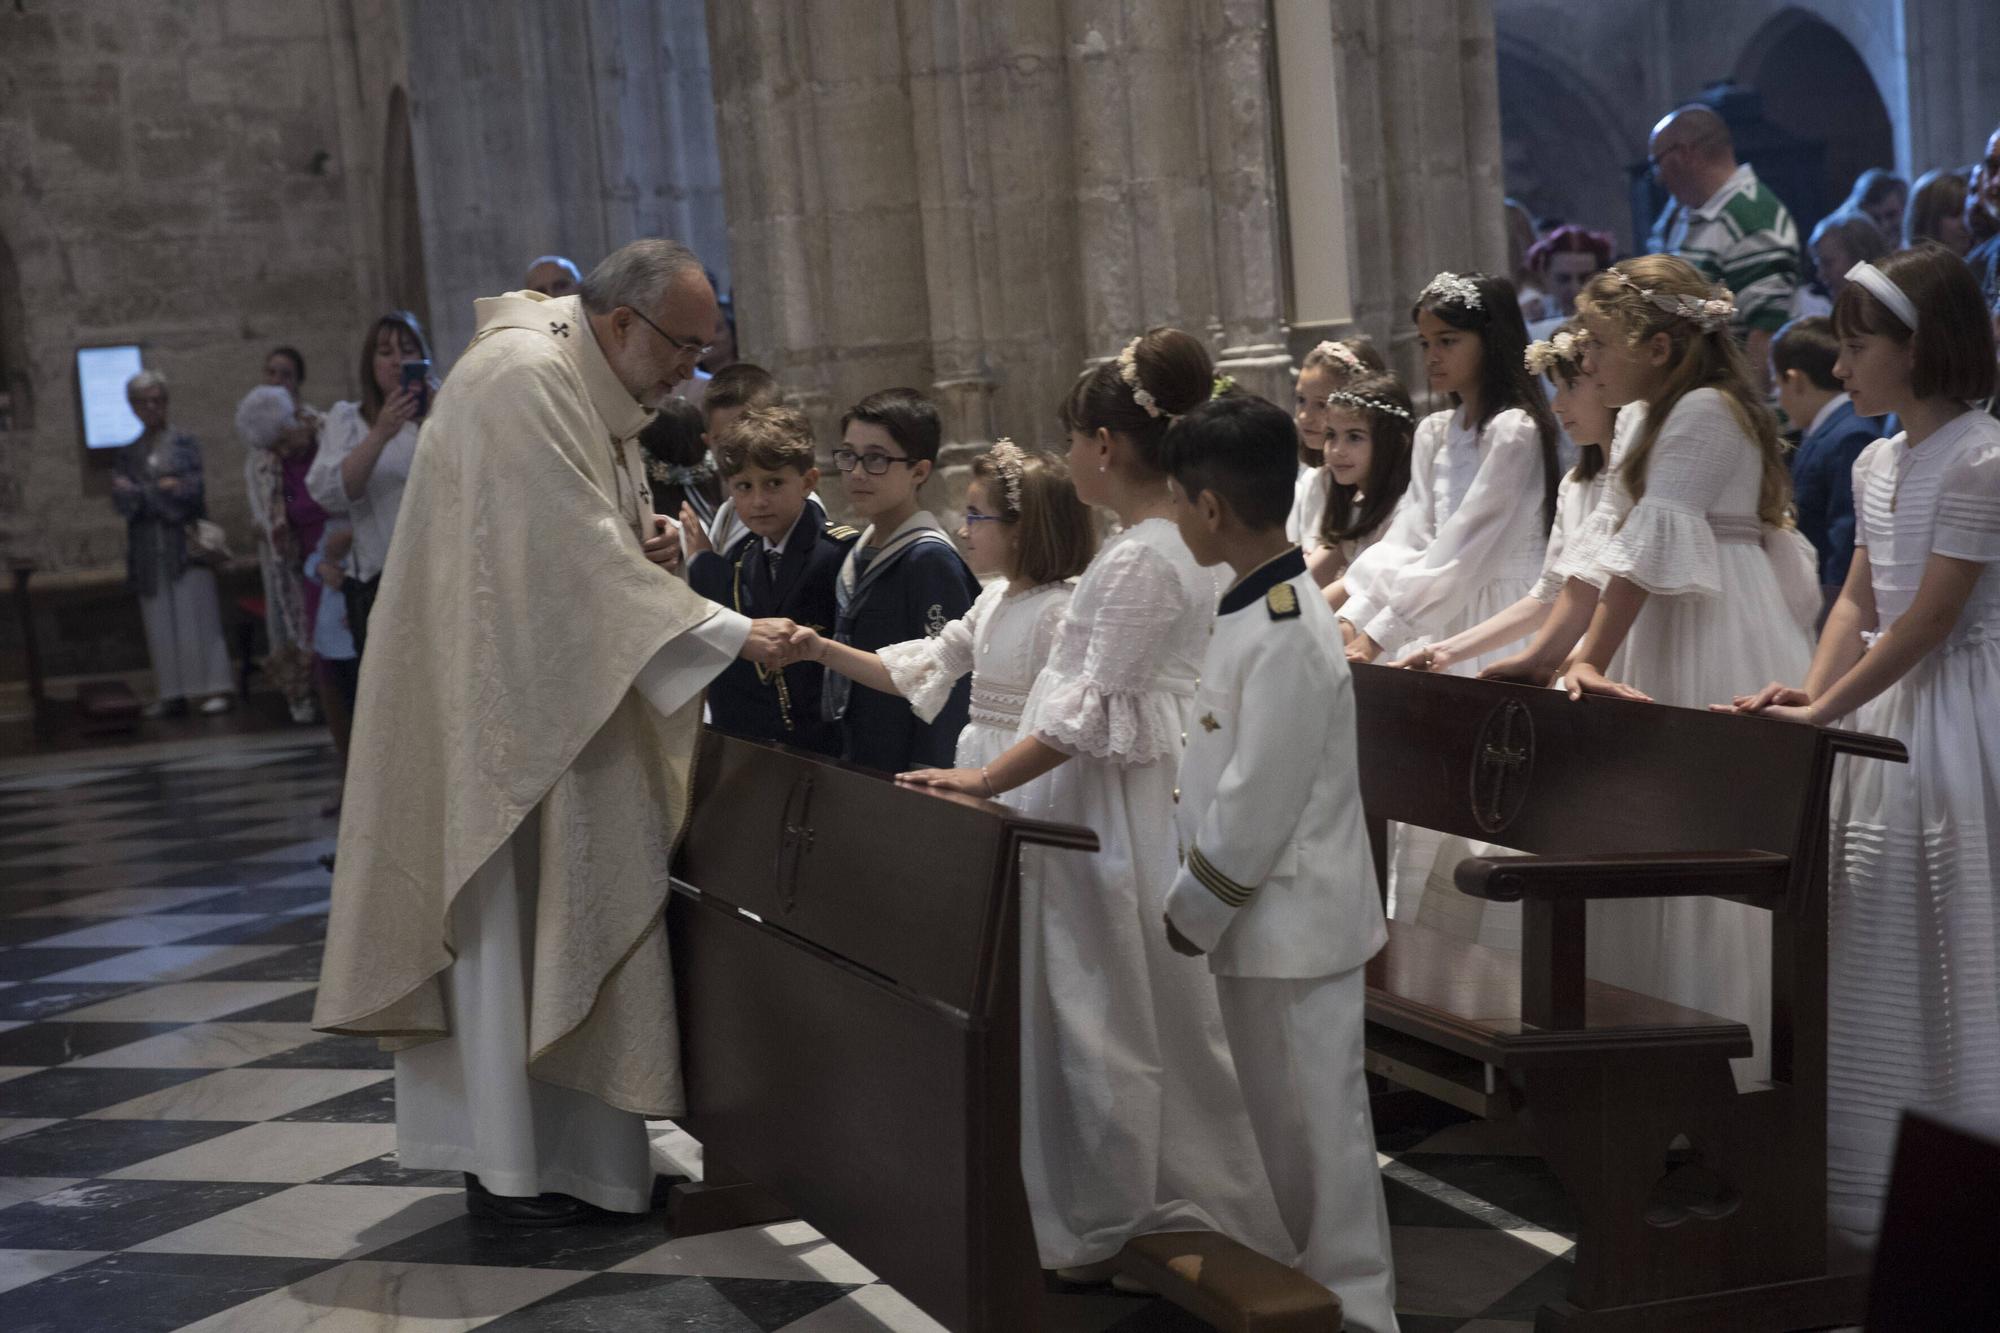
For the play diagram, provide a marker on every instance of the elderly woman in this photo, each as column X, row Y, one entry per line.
column 158, row 488
column 279, row 445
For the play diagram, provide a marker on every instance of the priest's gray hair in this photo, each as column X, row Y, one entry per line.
column 144, row 380
column 637, row 275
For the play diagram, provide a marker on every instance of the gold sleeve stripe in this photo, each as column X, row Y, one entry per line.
column 1229, row 891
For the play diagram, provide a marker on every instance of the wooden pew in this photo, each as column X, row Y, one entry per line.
column 1698, row 1207
column 846, row 965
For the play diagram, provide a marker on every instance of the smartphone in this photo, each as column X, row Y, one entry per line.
column 417, row 376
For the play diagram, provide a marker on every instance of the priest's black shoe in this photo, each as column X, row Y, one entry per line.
column 541, row 1210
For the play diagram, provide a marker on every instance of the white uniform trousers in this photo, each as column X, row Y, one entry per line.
column 1297, row 1046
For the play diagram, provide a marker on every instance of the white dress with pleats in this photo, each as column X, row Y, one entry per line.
column 1914, row 886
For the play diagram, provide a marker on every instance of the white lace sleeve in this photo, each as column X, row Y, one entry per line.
column 1665, row 544
column 1100, row 695
column 1968, row 517
column 925, row 670
column 1409, row 530
column 1574, row 504
column 1421, row 598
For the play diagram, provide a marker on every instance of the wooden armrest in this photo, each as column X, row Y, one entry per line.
column 1510, row 879
column 1230, row 1286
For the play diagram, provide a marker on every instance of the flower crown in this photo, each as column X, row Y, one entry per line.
column 1708, row 315
column 1128, row 370
column 1454, row 289
column 1341, row 355
column 1564, row 347
column 1368, row 402
column 1009, row 462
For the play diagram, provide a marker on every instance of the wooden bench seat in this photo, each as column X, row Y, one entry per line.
column 1698, row 1206
column 1229, row 1286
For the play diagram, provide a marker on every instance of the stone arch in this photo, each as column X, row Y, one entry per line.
column 1816, row 86
column 1564, row 152
column 403, row 273
column 17, row 408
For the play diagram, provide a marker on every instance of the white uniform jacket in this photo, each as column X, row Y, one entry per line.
column 1276, row 877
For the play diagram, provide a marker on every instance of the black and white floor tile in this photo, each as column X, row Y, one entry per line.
column 179, row 1150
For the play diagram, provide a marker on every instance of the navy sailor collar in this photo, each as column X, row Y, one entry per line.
column 1281, row 568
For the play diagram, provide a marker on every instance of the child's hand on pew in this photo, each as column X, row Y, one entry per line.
column 1779, row 700
column 969, row 781
column 1582, row 678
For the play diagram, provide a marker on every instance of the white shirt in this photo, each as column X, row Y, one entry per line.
column 373, row 512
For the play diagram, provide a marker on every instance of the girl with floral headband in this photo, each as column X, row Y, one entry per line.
column 1912, row 650
column 1023, row 524
column 1369, row 428
column 1329, row 366
column 1591, row 425
column 1685, row 579
column 1132, row 1120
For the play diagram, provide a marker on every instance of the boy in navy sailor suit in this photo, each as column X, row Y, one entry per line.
column 785, row 565
column 902, row 580
column 1277, row 885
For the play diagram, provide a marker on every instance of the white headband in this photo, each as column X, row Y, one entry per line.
column 1888, row 293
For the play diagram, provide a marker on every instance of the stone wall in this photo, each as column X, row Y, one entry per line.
column 173, row 175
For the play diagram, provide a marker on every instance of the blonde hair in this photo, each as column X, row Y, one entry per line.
column 1700, row 358
column 1054, row 537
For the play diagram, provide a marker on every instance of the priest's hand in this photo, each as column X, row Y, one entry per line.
column 663, row 548
column 694, row 534
column 1182, row 945
column 770, row 642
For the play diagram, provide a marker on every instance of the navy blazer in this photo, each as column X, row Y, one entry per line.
column 746, row 700
column 927, row 588
column 1823, row 487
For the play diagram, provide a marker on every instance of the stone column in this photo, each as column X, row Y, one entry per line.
column 1421, row 137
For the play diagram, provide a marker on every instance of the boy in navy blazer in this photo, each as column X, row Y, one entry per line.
column 1833, row 436
column 784, row 565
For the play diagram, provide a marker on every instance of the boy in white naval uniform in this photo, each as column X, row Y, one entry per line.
column 1276, row 884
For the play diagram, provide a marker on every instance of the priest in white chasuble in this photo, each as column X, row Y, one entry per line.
column 530, row 697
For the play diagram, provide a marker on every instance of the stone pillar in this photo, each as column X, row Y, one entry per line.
column 1953, row 96
column 1420, row 129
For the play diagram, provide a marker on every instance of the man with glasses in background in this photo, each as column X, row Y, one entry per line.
column 1726, row 223
column 522, row 754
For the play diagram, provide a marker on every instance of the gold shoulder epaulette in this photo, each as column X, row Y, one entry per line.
column 1282, row 602
column 842, row 532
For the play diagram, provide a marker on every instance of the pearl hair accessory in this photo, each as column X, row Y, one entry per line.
column 1128, row 370
column 1008, row 461
column 1454, row 289
column 1368, row 403
column 1709, row 315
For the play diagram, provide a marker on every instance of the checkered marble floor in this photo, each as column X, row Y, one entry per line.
column 178, row 1149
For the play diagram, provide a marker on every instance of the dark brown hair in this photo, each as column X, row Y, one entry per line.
column 741, row 385
column 292, row 355
column 1172, row 366
column 1054, row 535
column 1504, row 381
column 1238, row 448
column 371, row 394
column 910, row 418
column 1954, row 336
column 767, row 437
column 1938, row 195
column 1390, row 440
column 1809, row 346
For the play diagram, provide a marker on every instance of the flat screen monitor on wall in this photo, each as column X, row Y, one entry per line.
column 101, row 373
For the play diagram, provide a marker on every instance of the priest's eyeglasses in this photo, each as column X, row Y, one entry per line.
column 873, row 464
column 684, row 346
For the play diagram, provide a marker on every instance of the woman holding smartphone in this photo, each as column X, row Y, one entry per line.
column 365, row 451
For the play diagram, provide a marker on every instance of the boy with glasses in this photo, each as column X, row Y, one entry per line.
column 902, row 580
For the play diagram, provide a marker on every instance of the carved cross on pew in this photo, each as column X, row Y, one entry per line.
column 1506, row 751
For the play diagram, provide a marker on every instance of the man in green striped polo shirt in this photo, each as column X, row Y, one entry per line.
column 1726, row 223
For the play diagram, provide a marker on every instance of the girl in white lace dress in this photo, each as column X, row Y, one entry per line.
column 1132, row 1121
column 1685, row 579
column 1912, row 650
column 1329, row 366
column 1024, row 523
column 1370, row 427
